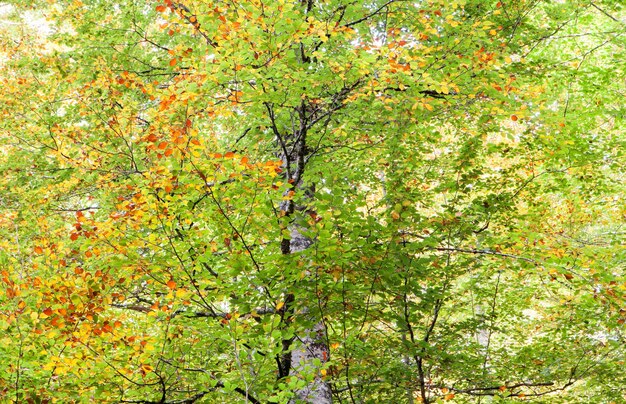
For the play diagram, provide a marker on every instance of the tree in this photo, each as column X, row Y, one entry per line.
column 312, row 201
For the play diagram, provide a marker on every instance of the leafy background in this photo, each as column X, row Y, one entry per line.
column 458, row 175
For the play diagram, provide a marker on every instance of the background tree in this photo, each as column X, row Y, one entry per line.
column 312, row 201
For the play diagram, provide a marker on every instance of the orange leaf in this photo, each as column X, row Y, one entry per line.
column 38, row 250
column 229, row 155
column 448, row 396
column 74, row 236
column 160, row 8
column 78, row 270
column 173, row 62
column 152, row 138
column 171, row 284
column 48, row 311
column 514, row 117
column 162, row 145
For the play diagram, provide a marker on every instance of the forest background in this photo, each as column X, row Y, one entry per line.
column 312, row 201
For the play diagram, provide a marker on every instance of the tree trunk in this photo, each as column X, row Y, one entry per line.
column 303, row 354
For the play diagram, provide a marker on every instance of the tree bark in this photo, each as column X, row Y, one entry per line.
column 302, row 354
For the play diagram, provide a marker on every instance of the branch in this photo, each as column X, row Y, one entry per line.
column 193, row 20
column 134, row 307
column 76, row 209
column 604, row 12
column 360, row 20
column 201, row 314
column 486, row 252
column 494, row 390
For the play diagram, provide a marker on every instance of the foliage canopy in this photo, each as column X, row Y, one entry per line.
column 322, row 200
